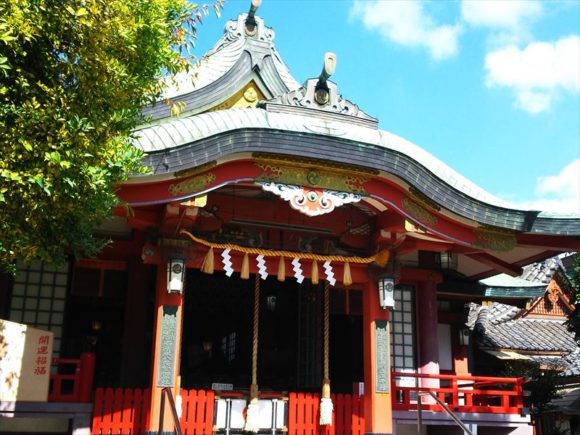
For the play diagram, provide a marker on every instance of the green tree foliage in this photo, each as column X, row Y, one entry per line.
column 74, row 75
column 574, row 317
column 541, row 384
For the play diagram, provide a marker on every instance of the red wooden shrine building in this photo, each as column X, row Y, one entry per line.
column 284, row 251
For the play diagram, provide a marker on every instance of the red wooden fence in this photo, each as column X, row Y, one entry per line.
column 121, row 411
column 461, row 393
column 303, row 415
column 197, row 412
column 126, row 411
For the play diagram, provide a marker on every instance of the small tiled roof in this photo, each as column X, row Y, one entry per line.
column 543, row 271
column 572, row 363
column 515, row 293
column 530, row 284
column 498, row 327
column 504, row 280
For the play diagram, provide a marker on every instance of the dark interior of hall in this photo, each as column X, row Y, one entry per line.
column 217, row 334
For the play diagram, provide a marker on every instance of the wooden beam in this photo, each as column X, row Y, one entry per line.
column 497, row 264
column 529, row 260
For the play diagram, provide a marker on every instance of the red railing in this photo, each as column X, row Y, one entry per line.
column 461, row 393
column 126, row 411
column 303, row 415
column 73, row 379
column 197, row 411
column 121, row 411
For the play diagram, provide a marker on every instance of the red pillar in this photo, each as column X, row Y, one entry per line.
column 427, row 332
column 87, row 371
column 377, row 370
column 167, row 349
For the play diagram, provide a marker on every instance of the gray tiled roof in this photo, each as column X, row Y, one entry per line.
column 498, row 327
column 188, row 142
column 479, row 315
column 529, row 334
column 543, row 271
column 235, row 59
column 572, row 362
column 196, row 138
column 181, row 131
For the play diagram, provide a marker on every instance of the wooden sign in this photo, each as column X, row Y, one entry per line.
column 25, row 356
column 382, row 356
column 166, row 364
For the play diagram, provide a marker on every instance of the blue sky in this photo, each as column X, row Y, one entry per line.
column 490, row 87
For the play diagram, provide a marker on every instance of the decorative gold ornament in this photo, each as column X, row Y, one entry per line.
column 419, row 212
column 193, row 184
column 494, row 239
column 250, row 95
column 312, row 173
column 553, row 297
column 246, row 97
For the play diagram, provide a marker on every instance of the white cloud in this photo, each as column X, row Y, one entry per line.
column 557, row 193
column 406, row 23
column 564, row 185
column 539, row 73
column 507, row 15
column 557, row 206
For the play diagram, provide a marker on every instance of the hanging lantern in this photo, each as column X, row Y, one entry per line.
column 175, row 275
column 386, row 285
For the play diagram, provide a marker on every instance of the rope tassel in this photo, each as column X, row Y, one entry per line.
column 346, row 276
column 314, row 273
column 245, row 271
column 207, row 266
column 252, row 417
column 281, row 270
column 253, row 414
column 326, row 406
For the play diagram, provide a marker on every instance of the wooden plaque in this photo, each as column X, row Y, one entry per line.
column 382, row 356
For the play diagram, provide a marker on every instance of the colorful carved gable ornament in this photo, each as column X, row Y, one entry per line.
column 309, row 200
column 553, row 294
